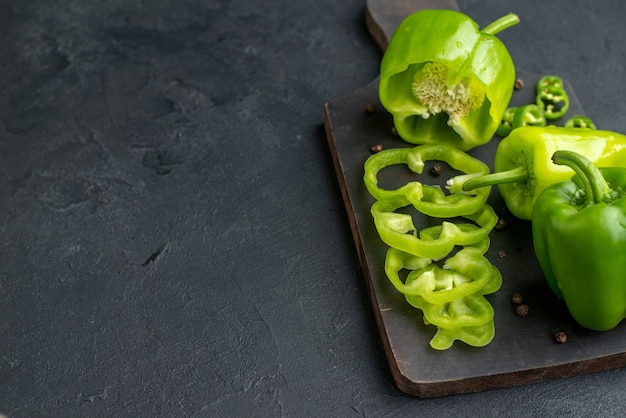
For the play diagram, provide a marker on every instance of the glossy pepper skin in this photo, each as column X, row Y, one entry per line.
column 579, row 235
column 523, row 166
column 445, row 80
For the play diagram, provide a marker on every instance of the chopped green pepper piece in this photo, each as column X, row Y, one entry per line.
column 580, row 121
column 398, row 230
column 523, row 168
column 552, row 97
column 460, row 311
column 476, row 336
column 528, row 115
column 466, row 272
column 468, row 319
column 506, row 124
column 579, row 236
column 446, row 81
column 430, row 200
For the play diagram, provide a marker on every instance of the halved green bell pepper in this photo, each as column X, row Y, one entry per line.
column 523, row 166
column 579, row 236
column 446, row 81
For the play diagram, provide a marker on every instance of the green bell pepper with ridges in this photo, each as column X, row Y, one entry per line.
column 523, row 166
column 445, row 80
column 579, row 236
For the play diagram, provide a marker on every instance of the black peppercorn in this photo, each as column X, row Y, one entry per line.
column 521, row 310
column 560, row 337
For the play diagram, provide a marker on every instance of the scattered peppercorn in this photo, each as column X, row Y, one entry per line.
column 521, row 310
column 394, row 132
column 519, row 84
column 560, row 337
column 500, row 224
column 436, row 169
column 517, row 298
column 370, row 109
column 501, row 254
column 376, row 148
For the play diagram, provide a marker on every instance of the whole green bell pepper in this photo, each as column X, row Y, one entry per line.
column 523, row 168
column 445, row 80
column 579, row 236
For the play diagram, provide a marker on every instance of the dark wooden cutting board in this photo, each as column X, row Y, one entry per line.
column 523, row 350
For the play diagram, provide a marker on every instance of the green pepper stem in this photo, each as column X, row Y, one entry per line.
column 515, row 175
column 501, row 24
column 596, row 188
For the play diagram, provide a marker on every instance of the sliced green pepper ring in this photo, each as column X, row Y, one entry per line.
column 468, row 311
column 580, row 121
column 398, row 231
column 476, row 336
column 427, row 199
column 506, row 124
column 552, row 97
column 529, row 115
column 463, row 274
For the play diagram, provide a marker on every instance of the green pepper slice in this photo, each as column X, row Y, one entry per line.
column 465, row 273
column 580, row 121
column 430, row 200
column 446, row 81
column 476, row 336
column 398, row 230
column 552, row 97
column 528, row 115
column 506, row 124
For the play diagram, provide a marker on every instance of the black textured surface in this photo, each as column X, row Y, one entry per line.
column 172, row 237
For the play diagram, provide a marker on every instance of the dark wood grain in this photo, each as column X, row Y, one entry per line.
column 523, row 350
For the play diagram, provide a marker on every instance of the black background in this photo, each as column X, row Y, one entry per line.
column 173, row 241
